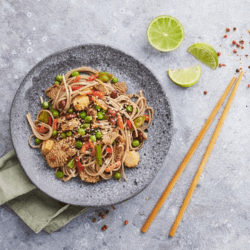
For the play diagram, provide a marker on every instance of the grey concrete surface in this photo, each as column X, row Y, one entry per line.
column 218, row 216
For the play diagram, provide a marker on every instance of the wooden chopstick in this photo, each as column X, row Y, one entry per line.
column 205, row 157
column 186, row 159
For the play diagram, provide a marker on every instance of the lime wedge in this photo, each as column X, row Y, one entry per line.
column 165, row 33
column 185, row 77
column 205, row 53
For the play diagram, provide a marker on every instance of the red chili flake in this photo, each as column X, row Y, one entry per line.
column 94, row 220
column 102, row 216
column 242, row 47
column 126, row 222
column 103, row 228
column 248, row 85
column 222, row 65
column 249, row 66
column 237, row 70
column 106, row 226
column 227, row 29
column 233, row 42
column 241, row 41
column 234, row 28
column 246, row 55
column 234, row 51
column 205, row 92
column 218, row 54
column 225, row 36
column 238, row 45
column 107, row 211
column 112, row 207
column 240, row 68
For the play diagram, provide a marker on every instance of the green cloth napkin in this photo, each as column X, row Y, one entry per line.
column 36, row 209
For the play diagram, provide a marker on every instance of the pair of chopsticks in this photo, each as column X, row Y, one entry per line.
column 189, row 156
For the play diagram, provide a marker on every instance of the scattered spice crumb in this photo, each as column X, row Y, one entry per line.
column 234, row 28
column 249, row 31
column 219, row 53
column 237, row 70
column 104, row 227
column 234, row 51
column 205, row 92
column 225, row 36
column 227, row 29
column 94, row 220
column 112, row 207
column 249, row 66
column 147, row 198
column 238, row 45
column 246, row 56
column 233, row 42
column 248, row 85
column 102, row 216
column 126, row 222
column 242, row 47
column 107, row 211
column 241, row 41
column 220, row 44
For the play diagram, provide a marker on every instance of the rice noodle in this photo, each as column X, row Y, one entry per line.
column 125, row 136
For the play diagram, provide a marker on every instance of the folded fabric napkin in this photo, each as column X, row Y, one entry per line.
column 36, row 209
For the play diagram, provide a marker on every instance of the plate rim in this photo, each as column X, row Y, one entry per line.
column 58, row 52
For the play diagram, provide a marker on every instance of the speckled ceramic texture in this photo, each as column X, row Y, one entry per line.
column 137, row 77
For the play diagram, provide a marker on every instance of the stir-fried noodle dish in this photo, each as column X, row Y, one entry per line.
column 90, row 127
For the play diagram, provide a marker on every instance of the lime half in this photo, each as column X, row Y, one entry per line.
column 185, row 77
column 165, row 33
column 205, row 53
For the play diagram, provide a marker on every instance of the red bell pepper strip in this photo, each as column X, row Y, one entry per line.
column 75, row 87
column 109, row 150
column 146, row 117
column 55, row 124
column 99, row 94
column 129, row 124
column 92, row 78
column 41, row 129
column 77, row 79
column 119, row 121
column 78, row 164
column 50, row 121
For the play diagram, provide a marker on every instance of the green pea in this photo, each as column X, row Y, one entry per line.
column 75, row 73
column 104, row 111
column 88, row 119
column 81, row 131
column 78, row 144
column 55, row 114
column 114, row 79
column 83, row 114
column 70, row 111
column 37, row 141
column 98, row 135
column 129, row 108
column 52, row 110
column 54, row 132
column 136, row 110
column 117, row 176
column 59, row 174
column 59, row 78
column 135, row 143
column 45, row 105
column 57, row 83
column 97, row 107
column 63, row 135
column 92, row 138
column 100, row 115
column 69, row 133
column 85, row 125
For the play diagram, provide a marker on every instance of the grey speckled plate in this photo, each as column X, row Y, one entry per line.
column 126, row 68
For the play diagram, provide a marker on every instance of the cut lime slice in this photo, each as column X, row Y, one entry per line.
column 165, row 33
column 185, row 77
column 205, row 53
